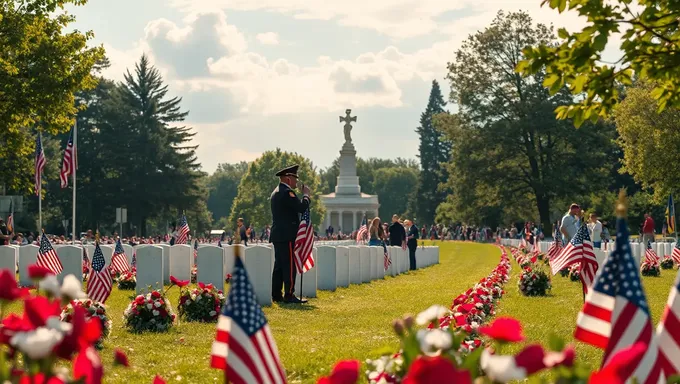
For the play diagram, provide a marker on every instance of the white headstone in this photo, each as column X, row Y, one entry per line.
column 166, row 262
column 309, row 281
column 326, row 268
column 668, row 249
column 71, row 258
column 107, row 251
column 365, row 256
column 129, row 252
column 181, row 261
column 210, row 266
column 342, row 266
column 28, row 255
column 405, row 265
column 229, row 256
column 354, row 265
column 149, row 268
column 8, row 259
column 373, row 253
column 392, row 270
column 258, row 262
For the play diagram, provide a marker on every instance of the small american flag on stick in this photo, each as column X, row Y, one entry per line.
column 47, row 256
column 183, row 231
column 579, row 250
column 362, row 233
column 70, row 163
column 100, row 284
column 388, row 259
column 556, row 246
column 650, row 254
column 304, row 243
column 668, row 333
column 119, row 259
column 675, row 255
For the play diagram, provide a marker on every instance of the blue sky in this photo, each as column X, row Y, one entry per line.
column 261, row 74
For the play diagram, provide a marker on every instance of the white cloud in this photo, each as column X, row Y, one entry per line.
column 268, row 38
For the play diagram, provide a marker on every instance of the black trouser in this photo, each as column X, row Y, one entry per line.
column 284, row 270
column 412, row 256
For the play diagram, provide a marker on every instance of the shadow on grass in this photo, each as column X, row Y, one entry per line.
column 298, row 307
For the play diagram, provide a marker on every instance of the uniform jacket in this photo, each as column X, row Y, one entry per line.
column 397, row 234
column 286, row 210
column 413, row 231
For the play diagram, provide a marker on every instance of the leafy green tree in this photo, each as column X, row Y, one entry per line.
column 253, row 200
column 508, row 148
column 365, row 171
column 434, row 152
column 41, row 68
column 395, row 186
column 223, row 188
column 649, row 43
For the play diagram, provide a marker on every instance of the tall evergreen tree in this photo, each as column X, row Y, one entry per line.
column 434, row 152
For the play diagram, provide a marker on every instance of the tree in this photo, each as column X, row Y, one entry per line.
column 254, row 191
column 41, row 68
column 365, row 171
column 649, row 43
column 508, row 148
column 650, row 140
column 395, row 187
column 434, row 151
column 223, row 188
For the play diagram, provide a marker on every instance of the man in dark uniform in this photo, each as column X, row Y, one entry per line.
column 397, row 232
column 412, row 243
column 286, row 210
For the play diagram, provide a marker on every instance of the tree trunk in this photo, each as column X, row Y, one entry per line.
column 142, row 226
column 543, row 205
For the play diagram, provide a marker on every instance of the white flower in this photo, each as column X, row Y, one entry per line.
column 157, row 304
column 474, row 325
column 198, row 297
column 212, row 313
column 37, row 344
column 50, row 284
column 155, row 312
column 71, row 288
column 433, row 313
column 501, row 368
column 149, row 306
column 55, row 323
column 433, row 340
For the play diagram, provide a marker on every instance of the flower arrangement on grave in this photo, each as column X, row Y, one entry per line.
column 93, row 309
column 37, row 346
column 151, row 312
column 667, row 263
column 127, row 281
column 650, row 269
column 227, row 278
column 575, row 272
column 194, row 273
column 534, row 282
column 200, row 304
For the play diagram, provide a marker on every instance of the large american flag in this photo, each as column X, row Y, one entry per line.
column 556, row 246
column 388, row 260
column 182, row 231
column 616, row 314
column 304, row 243
column 362, row 233
column 675, row 255
column 244, row 347
column 47, row 256
column 668, row 333
column 70, row 163
column 39, row 163
column 101, row 282
column 119, row 261
column 650, row 254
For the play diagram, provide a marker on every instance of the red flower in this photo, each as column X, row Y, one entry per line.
column 119, row 358
column 531, row 358
column 155, row 294
column 209, row 287
column 435, row 370
column 38, row 309
column 36, row 272
column 39, row 378
column 8, row 287
column 88, row 366
column 344, row 372
column 11, row 325
column 139, row 300
column 83, row 335
column 179, row 283
column 620, row 366
column 504, row 329
column 158, row 380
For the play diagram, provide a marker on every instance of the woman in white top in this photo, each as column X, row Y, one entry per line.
column 595, row 230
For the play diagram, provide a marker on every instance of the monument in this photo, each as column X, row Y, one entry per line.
column 346, row 207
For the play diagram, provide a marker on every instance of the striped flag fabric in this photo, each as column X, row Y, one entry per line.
column 100, row 284
column 244, row 347
column 195, row 250
column 668, row 332
column 616, row 314
column 362, row 233
column 119, row 259
column 574, row 251
column 556, row 246
column 650, row 254
column 388, row 260
column 182, row 231
column 70, row 163
column 675, row 255
column 39, row 163
column 47, row 256
column 304, row 243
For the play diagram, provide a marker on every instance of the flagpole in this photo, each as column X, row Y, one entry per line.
column 74, row 161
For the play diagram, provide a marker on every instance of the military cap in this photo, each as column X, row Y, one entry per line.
column 290, row 171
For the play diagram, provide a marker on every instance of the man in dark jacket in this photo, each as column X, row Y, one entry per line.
column 286, row 210
column 412, row 243
column 397, row 232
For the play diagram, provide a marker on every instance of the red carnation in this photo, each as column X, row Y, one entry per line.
column 344, row 372
column 37, row 272
column 9, row 291
column 179, row 283
column 120, row 358
column 435, row 370
column 505, row 329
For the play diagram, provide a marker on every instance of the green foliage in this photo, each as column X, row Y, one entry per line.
column 434, row 152
column 254, row 191
column 649, row 42
column 223, row 187
column 41, row 68
column 396, row 186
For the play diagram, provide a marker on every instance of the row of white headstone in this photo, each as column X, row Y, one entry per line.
column 335, row 266
column 637, row 249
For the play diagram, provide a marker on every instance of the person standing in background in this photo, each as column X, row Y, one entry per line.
column 241, row 233
column 648, row 229
column 412, row 236
column 595, row 230
column 570, row 222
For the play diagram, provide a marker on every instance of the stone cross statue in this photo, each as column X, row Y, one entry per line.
column 347, row 119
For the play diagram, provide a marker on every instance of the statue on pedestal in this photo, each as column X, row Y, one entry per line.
column 347, row 119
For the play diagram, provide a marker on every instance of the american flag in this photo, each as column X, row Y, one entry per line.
column 39, row 163
column 362, row 233
column 304, row 243
column 244, row 347
column 388, row 259
column 183, row 231
column 47, row 257
column 556, row 246
column 582, row 248
column 195, row 250
column 573, row 252
column 119, row 259
column 101, row 282
column 70, row 163
column 650, row 255
column 86, row 261
column 668, row 333
column 675, row 255
column 616, row 314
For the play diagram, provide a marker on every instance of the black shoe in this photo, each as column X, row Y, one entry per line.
column 277, row 299
column 293, row 300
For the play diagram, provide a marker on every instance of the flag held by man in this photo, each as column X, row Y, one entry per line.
column 304, row 244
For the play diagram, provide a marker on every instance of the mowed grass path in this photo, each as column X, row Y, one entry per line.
column 557, row 312
column 351, row 322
